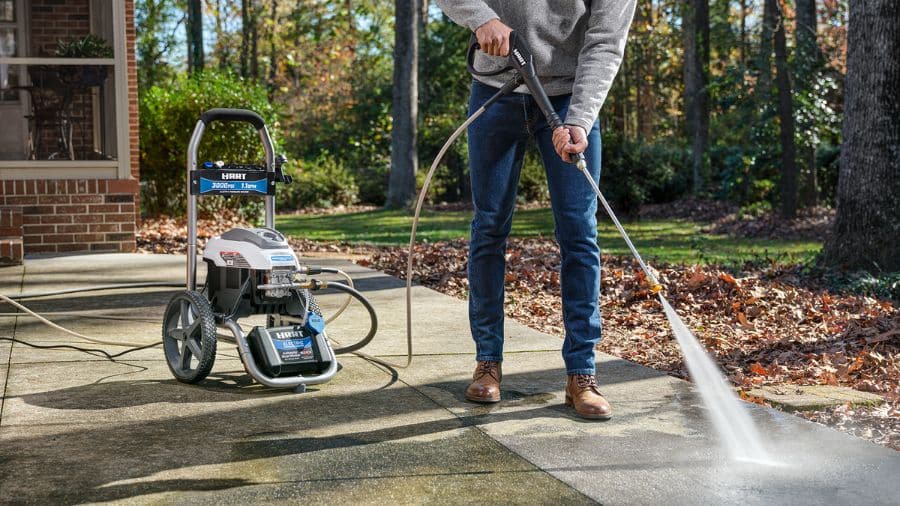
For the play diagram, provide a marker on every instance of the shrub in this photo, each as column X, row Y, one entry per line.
column 168, row 116
column 634, row 173
column 323, row 182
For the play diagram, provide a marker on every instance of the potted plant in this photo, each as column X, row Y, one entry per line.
column 89, row 46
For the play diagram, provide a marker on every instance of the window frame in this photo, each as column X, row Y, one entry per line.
column 84, row 169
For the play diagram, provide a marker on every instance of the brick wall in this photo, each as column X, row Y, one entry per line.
column 74, row 215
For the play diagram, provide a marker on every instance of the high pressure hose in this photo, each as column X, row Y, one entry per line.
column 515, row 82
column 373, row 317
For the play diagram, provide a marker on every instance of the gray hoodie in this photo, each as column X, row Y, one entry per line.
column 577, row 44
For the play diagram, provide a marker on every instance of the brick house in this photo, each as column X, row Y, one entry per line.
column 68, row 127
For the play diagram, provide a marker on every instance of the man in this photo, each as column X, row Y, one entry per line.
column 577, row 47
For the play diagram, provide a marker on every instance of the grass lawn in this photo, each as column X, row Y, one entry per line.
column 670, row 241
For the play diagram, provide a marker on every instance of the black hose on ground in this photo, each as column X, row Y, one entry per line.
column 373, row 318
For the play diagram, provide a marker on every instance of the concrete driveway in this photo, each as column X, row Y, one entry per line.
column 78, row 428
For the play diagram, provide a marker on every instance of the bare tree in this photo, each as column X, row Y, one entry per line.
column 867, row 227
column 695, row 33
column 806, row 63
column 786, row 117
column 194, row 30
column 273, row 51
column 404, row 157
column 246, row 27
column 644, row 68
column 222, row 49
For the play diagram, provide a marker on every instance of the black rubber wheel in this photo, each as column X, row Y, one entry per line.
column 189, row 336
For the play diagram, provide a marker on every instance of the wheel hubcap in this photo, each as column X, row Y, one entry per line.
column 184, row 333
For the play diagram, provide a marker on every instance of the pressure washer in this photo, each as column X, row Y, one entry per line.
column 250, row 271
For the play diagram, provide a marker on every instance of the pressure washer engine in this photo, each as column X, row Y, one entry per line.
column 250, row 271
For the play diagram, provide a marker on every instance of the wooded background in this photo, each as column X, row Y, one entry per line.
column 775, row 105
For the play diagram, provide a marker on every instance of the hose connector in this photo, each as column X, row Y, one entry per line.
column 309, row 270
column 312, row 284
column 580, row 162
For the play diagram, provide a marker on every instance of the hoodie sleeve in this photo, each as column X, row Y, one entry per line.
column 599, row 59
column 468, row 13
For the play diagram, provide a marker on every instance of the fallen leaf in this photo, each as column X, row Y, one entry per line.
column 757, row 368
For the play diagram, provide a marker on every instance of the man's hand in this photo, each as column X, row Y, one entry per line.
column 493, row 37
column 569, row 140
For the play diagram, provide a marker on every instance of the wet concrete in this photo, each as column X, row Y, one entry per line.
column 76, row 428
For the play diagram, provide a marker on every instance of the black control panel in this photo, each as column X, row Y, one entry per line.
column 229, row 180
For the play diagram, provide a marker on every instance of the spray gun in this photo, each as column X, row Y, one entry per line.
column 521, row 62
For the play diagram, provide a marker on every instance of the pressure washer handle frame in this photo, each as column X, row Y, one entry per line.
column 237, row 115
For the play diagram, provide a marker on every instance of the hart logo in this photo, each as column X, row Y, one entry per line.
column 287, row 335
column 519, row 57
column 233, row 175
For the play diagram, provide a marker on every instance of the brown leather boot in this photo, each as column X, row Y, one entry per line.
column 485, row 386
column 583, row 394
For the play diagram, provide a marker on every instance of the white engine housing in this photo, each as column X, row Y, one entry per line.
column 251, row 248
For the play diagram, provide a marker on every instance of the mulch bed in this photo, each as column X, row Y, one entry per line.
column 688, row 208
column 811, row 224
column 724, row 218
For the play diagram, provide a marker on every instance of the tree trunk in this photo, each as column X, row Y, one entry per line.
column 221, row 47
column 194, row 28
column 245, row 37
column 695, row 32
column 806, row 63
column 742, row 4
column 404, row 158
column 254, row 39
column 786, row 117
column 764, row 58
column 273, row 52
column 644, row 68
column 867, row 227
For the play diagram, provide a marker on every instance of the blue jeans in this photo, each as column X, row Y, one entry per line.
column 497, row 144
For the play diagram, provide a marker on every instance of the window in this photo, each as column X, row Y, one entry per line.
column 63, row 96
column 9, row 31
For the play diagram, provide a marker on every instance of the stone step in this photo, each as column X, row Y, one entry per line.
column 812, row 397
